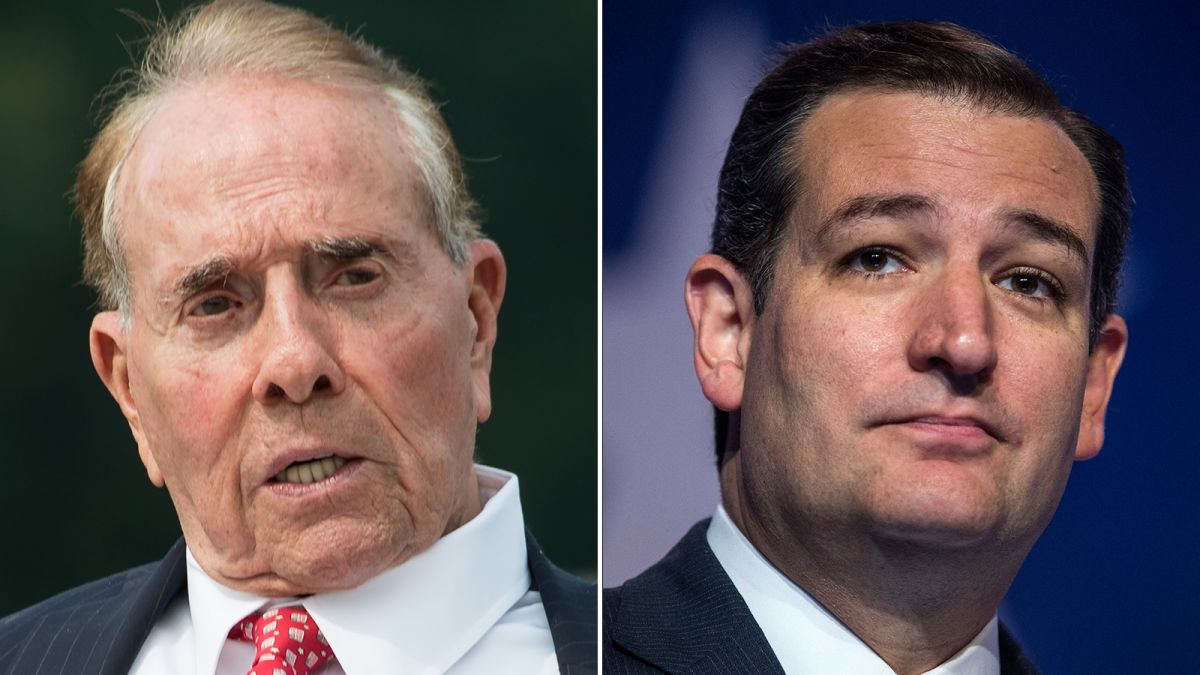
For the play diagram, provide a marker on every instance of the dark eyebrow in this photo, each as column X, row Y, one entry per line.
column 202, row 276
column 874, row 206
column 1050, row 230
column 898, row 205
column 342, row 249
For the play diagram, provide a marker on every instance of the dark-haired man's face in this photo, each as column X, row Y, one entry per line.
column 921, row 370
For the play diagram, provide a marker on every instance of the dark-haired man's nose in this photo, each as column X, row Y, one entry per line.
column 953, row 331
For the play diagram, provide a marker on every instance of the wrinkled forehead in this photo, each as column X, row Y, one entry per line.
column 223, row 151
column 234, row 122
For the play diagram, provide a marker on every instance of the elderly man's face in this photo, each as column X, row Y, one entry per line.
column 304, row 366
column 921, row 368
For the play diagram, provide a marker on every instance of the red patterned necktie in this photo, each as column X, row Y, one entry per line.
column 287, row 642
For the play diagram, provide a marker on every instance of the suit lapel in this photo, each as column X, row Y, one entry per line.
column 570, row 605
column 97, row 628
column 1012, row 660
column 683, row 615
column 138, row 610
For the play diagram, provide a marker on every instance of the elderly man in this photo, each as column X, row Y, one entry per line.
column 906, row 325
column 299, row 320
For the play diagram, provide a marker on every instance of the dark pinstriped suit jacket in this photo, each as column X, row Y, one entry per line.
column 684, row 615
column 100, row 627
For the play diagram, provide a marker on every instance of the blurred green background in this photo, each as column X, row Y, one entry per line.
column 518, row 84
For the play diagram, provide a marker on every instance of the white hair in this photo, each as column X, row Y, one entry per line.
column 253, row 37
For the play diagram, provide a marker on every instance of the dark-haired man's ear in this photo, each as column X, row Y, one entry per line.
column 720, row 306
column 1103, row 364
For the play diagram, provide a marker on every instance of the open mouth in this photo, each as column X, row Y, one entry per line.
column 311, row 471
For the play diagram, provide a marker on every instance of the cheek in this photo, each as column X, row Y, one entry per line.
column 811, row 367
column 420, row 377
column 420, row 382
column 831, row 355
column 1039, row 384
column 199, row 397
column 1045, row 380
column 188, row 408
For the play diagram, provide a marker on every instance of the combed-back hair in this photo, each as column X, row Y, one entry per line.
column 253, row 38
column 760, row 179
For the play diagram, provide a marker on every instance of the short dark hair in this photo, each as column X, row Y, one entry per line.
column 760, row 180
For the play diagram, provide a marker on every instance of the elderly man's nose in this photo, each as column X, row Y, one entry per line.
column 953, row 330
column 297, row 361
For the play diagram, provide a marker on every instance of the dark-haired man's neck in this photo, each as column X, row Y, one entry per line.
column 915, row 608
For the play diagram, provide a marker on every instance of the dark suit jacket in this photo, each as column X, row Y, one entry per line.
column 100, row 627
column 684, row 615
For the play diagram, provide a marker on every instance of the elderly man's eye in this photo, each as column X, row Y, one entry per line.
column 356, row 277
column 874, row 262
column 1032, row 283
column 217, row 304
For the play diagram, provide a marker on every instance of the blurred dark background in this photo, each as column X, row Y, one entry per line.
column 518, row 83
column 1112, row 586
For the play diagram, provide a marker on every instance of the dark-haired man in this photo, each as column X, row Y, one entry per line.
column 906, row 326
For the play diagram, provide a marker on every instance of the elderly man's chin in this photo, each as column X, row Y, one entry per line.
column 335, row 553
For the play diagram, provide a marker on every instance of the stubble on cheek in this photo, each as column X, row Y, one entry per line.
column 797, row 405
column 1041, row 463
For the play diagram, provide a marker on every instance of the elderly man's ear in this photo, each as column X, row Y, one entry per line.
column 486, row 276
column 107, row 340
column 720, row 306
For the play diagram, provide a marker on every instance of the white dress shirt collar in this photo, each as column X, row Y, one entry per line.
column 419, row 617
column 805, row 637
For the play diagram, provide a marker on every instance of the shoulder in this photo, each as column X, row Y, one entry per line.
column 42, row 627
column 683, row 614
column 655, row 614
column 670, row 587
column 617, row 658
column 97, row 627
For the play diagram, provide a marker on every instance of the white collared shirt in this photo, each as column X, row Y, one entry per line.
column 462, row 606
column 805, row 637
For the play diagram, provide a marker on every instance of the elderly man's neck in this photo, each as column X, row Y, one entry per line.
column 915, row 606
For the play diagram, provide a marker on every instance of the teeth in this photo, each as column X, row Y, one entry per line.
column 311, row 471
column 317, row 468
